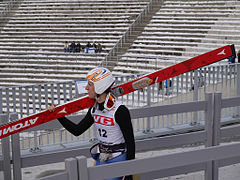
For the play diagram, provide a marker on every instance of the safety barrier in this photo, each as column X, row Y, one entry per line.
column 210, row 135
column 26, row 100
column 30, row 99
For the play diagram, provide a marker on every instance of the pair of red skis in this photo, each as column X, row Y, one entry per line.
column 139, row 83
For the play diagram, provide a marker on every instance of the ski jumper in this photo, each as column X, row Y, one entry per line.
column 114, row 133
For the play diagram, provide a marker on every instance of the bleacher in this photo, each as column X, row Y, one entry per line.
column 31, row 51
column 2, row 5
column 31, row 42
column 181, row 30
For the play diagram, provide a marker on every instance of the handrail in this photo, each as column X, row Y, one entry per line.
column 211, row 106
column 128, row 32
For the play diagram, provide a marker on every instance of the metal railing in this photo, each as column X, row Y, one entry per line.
column 30, row 99
column 211, row 106
column 186, row 87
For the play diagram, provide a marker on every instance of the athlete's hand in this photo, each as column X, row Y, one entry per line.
column 51, row 108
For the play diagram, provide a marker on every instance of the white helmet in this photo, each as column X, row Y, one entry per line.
column 102, row 79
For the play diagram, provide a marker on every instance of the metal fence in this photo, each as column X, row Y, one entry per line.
column 211, row 135
column 186, row 87
column 26, row 100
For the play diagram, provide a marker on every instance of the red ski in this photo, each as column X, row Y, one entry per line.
column 139, row 83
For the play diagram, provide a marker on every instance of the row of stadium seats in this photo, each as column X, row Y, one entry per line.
column 31, row 42
column 181, row 30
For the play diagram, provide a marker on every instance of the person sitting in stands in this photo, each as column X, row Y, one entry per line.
column 99, row 48
column 73, row 47
column 66, row 47
column 231, row 59
column 78, row 47
column 95, row 46
column 88, row 45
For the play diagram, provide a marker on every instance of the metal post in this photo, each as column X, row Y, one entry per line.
column 71, row 168
column 147, row 130
column 1, row 101
column 213, row 117
column 217, row 117
column 209, row 132
column 195, row 96
column 82, row 168
column 58, row 94
column 7, row 100
column 6, row 151
column 216, row 129
column 46, row 94
column 70, row 91
column 64, row 92
column 238, row 89
column 27, row 100
column 209, row 119
column 14, row 99
column 52, row 93
column 16, row 156
column 21, row 101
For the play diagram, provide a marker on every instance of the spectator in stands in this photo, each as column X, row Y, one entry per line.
column 111, row 119
column 238, row 55
column 78, row 47
column 73, row 47
column 88, row 45
column 168, row 86
column 231, row 59
column 99, row 48
column 66, row 47
column 82, row 48
column 95, row 46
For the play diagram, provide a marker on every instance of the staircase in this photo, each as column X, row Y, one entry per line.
column 179, row 30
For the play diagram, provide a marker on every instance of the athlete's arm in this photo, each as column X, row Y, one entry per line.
column 123, row 119
column 81, row 127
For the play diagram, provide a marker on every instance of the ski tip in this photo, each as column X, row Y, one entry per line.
column 233, row 51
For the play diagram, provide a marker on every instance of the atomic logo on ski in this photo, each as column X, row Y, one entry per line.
column 18, row 126
column 222, row 52
column 62, row 111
